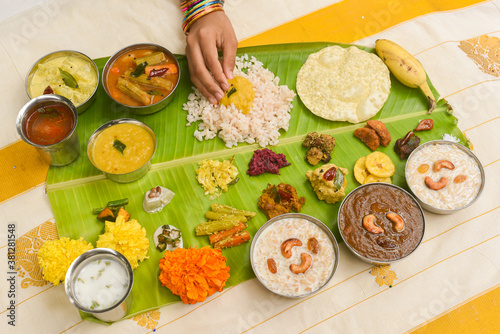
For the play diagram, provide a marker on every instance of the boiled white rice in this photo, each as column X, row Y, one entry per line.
column 270, row 111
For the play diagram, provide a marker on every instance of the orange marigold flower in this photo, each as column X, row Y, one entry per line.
column 194, row 274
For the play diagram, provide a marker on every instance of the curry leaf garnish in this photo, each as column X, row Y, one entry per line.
column 49, row 112
column 68, row 79
column 231, row 92
column 338, row 181
column 119, row 145
column 277, row 197
column 140, row 70
column 234, row 181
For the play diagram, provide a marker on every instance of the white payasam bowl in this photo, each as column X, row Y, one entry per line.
column 410, row 166
column 259, row 256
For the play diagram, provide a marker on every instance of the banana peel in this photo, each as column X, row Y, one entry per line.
column 406, row 68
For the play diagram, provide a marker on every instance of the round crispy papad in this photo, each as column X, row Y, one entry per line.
column 341, row 84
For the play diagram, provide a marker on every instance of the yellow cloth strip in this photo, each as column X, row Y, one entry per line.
column 480, row 314
column 21, row 168
column 349, row 21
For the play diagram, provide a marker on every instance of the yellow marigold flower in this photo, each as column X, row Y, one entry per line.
column 55, row 257
column 128, row 238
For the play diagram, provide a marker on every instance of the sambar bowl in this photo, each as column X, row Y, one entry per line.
column 122, row 149
column 294, row 255
column 127, row 102
column 381, row 223
column 100, row 282
column 444, row 176
column 84, row 71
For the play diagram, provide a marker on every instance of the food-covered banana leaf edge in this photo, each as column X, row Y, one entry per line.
column 75, row 189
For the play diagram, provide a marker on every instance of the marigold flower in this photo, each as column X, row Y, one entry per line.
column 128, row 238
column 194, row 274
column 55, row 257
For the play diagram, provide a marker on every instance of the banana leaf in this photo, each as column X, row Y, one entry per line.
column 76, row 189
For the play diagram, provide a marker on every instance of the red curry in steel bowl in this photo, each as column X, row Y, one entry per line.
column 49, row 124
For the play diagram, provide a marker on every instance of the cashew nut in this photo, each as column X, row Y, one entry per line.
column 443, row 164
column 286, row 247
column 306, row 263
column 369, row 224
column 313, row 245
column 436, row 185
column 271, row 264
column 399, row 223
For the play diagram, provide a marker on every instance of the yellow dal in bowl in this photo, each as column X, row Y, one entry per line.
column 139, row 149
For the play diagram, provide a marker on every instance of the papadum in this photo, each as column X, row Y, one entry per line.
column 344, row 84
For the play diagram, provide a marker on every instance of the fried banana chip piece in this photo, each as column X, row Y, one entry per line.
column 372, row 178
column 380, row 165
column 360, row 171
column 369, row 137
column 381, row 130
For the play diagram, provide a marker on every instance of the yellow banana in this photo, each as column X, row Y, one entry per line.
column 406, row 68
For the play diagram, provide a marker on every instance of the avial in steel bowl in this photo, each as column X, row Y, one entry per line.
column 66, row 73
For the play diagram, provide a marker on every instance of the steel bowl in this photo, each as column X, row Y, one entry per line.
column 114, row 312
column 435, row 209
column 141, row 110
column 129, row 176
column 362, row 256
column 61, row 153
column 313, row 220
column 63, row 53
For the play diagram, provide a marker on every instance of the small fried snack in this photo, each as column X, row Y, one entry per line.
column 381, row 130
column 380, row 165
column 360, row 171
column 372, row 178
column 369, row 137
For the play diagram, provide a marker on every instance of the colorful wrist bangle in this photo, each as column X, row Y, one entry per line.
column 194, row 9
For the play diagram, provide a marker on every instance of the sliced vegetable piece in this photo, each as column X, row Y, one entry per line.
column 233, row 240
column 117, row 203
column 134, row 91
column 106, row 215
column 229, row 209
column 213, row 226
column 124, row 213
column 221, row 215
column 152, row 59
column 216, row 237
column 155, row 82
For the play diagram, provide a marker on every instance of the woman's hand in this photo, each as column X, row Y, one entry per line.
column 206, row 36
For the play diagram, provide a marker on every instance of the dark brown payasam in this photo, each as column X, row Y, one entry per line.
column 378, row 200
